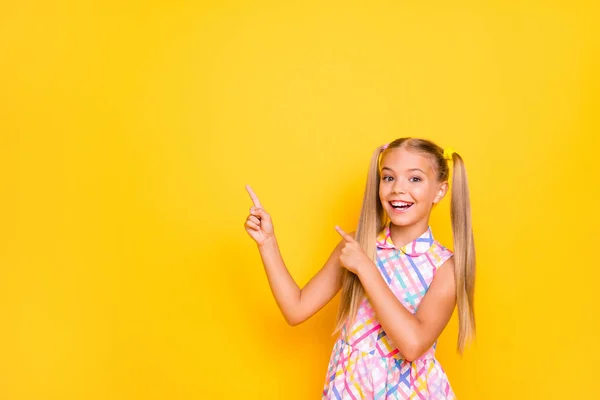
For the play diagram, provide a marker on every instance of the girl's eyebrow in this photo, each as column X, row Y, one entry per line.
column 410, row 170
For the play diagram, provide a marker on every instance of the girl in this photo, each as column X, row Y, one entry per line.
column 399, row 286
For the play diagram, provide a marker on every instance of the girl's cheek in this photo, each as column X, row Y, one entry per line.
column 418, row 192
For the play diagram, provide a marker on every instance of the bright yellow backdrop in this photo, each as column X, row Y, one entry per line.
column 128, row 132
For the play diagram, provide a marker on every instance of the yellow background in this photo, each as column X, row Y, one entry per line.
column 128, row 132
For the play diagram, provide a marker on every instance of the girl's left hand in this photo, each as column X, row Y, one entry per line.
column 353, row 258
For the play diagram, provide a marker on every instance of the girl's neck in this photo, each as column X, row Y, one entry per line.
column 403, row 235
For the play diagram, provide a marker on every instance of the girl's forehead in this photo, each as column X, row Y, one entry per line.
column 401, row 159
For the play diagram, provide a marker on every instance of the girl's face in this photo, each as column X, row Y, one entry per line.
column 409, row 186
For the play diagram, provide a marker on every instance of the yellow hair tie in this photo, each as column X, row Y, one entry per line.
column 448, row 153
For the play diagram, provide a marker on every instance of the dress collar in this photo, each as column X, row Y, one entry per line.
column 415, row 248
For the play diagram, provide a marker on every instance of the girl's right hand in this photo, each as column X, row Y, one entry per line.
column 258, row 224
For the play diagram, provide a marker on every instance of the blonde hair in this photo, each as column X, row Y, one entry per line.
column 373, row 219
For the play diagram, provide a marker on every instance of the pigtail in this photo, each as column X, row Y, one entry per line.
column 370, row 223
column 464, row 252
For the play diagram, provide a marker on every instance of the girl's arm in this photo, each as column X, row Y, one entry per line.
column 412, row 334
column 296, row 305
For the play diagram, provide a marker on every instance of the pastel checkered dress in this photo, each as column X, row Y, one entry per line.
column 365, row 364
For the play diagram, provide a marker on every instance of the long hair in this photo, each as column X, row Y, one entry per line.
column 373, row 219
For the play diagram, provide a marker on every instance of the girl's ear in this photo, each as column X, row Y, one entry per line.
column 441, row 193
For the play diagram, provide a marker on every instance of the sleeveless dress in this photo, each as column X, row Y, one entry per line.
column 365, row 364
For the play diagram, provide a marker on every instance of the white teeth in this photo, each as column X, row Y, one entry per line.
column 399, row 203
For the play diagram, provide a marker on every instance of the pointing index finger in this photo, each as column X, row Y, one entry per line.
column 253, row 196
column 344, row 235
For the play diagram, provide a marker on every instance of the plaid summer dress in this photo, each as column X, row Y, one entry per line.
column 365, row 364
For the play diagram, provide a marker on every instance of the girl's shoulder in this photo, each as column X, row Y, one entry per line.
column 439, row 254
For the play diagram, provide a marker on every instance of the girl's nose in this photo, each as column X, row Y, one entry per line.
column 398, row 186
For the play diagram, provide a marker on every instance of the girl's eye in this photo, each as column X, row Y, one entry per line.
column 387, row 178
column 415, row 179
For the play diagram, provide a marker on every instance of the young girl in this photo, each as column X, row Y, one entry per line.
column 399, row 286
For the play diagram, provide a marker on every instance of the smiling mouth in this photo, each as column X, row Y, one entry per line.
column 400, row 206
